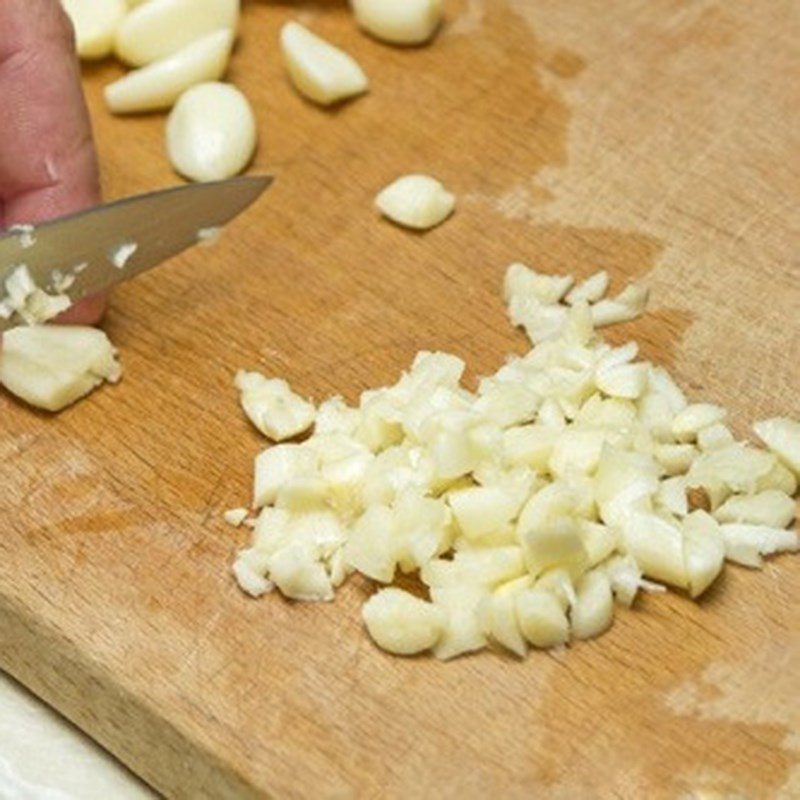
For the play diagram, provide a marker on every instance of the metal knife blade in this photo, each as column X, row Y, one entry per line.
column 160, row 225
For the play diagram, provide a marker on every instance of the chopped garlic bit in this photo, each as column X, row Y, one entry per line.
column 573, row 476
column 319, row 71
column 52, row 366
column 406, row 22
column 32, row 304
column 416, row 201
column 122, row 254
column 273, row 407
column 208, row 236
column 26, row 234
column 235, row 516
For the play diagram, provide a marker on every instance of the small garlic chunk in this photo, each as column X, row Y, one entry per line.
column 593, row 611
column 746, row 544
column 782, row 437
column 405, row 22
column 95, row 23
column 770, row 508
column 273, row 407
column 591, row 290
column 416, row 201
column 160, row 84
column 159, row 28
column 31, row 303
column 403, row 624
column 235, row 516
column 52, row 366
column 211, row 132
column 627, row 306
column 542, row 619
column 319, row 71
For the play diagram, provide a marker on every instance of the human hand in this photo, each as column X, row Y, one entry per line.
column 48, row 165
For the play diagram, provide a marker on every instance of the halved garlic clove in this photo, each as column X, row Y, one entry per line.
column 211, row 132
column 403, row 624
column 416, row 201
column 158, row 28
column 405, row 22
column 319, row 71
column 95, row 23
column 160, row 84
column 52, row 366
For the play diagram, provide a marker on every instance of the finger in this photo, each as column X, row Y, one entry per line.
column 48, row 165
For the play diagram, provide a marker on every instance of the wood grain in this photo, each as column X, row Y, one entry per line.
column 655, row 138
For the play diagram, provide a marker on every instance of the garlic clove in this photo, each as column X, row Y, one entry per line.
column 95, row 23
column 211, row 132
column 406, row 22
column 158, row 28
column 52, row 366
column 416, row 201
column 160, row 84
column 319, row 71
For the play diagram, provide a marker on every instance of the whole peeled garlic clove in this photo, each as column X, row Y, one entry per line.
column 52, row 366
column 159, row 28
column 211, row 132
column 416, row 201
column 160, row 84
column 95, row 23
column 319, row 71
column 405, row 22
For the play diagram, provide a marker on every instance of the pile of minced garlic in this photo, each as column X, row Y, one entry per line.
column 575, row 476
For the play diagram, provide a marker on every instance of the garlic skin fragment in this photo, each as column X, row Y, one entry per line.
column 416, row 201
column 52, row 366
column 95, row 23
column 273, row 407
column 319, row 71
column 211, row 132
column 403, row 624
column 158, row 28
column 782, row 437
column 406, row 22
column 160, row 84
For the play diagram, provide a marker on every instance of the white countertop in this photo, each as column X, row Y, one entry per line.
column 44, row 757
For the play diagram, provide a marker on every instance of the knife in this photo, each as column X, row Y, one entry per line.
column 93, row 250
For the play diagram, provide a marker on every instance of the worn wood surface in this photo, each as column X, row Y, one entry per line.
column 656, row 138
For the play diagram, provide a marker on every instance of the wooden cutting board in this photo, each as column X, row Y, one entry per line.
column 655, row 138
